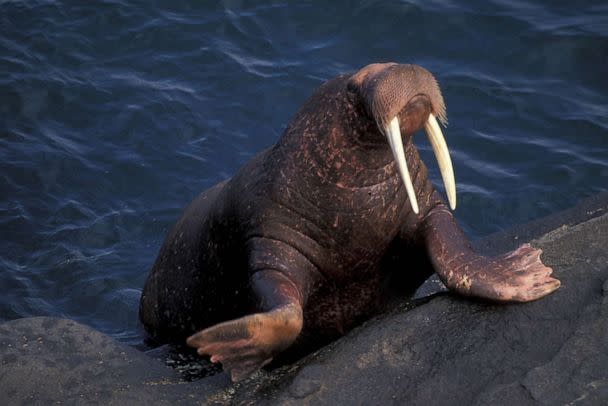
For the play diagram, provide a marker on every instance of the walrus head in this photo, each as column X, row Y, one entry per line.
column 386, row 90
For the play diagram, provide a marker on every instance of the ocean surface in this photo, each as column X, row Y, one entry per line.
column 115, row 114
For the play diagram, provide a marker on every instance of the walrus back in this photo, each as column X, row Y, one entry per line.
column 188, row 287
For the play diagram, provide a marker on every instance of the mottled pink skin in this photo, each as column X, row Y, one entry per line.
column 297, row 246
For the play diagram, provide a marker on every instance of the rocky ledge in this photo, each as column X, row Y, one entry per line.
column 444, row 351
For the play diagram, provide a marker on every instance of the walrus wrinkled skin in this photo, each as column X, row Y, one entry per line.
column 296, row 248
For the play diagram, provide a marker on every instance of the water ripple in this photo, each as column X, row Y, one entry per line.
column 116, row 114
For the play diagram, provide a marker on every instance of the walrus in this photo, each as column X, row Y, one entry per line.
column 297, row 246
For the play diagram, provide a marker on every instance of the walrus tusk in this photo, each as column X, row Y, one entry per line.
column 393, row 133
column 440, row 148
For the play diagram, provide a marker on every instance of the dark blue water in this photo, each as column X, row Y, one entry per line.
column 115, row 114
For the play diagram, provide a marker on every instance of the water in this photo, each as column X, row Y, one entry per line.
column 114, row 115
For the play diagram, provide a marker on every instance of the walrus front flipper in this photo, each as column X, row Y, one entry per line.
column 518, row 276
column 245, row 345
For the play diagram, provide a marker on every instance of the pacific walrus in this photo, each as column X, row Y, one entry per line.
column 295, row 248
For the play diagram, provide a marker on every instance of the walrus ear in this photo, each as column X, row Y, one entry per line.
column 386, row 88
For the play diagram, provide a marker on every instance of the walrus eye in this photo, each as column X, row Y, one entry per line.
column 440, row 148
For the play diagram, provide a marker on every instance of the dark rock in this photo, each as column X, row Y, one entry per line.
column 47, row 360
column 445, row 351
column 453, row 351
column 587, row 209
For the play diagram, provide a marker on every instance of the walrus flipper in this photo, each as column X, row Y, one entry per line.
column 518, row 276
column 246, row 344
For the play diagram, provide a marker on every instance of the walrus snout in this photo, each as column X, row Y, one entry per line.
column 386, row 89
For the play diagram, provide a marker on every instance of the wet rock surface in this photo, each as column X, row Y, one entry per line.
column 445, row 351
column 452, row 351
column 48, row 360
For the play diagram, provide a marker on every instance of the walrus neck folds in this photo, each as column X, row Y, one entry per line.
column 338, row 147
column 334, row 143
